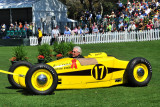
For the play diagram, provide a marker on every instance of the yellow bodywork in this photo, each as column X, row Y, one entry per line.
column 95, row 70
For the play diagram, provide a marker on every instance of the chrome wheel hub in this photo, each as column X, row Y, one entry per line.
column 140, row 72
column 42, row 79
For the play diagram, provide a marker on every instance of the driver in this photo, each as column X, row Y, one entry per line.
column 76, row 53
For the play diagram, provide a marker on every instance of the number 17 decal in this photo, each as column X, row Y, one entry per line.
column 99, row 72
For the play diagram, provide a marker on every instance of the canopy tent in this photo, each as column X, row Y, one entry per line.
column 44, row 13
column 5, row 4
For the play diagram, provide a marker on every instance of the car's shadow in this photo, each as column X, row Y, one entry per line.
column 27, row 92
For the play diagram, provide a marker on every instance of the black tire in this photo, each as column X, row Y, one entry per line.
column 49, row 84
column 139, row 72
column 13, row 80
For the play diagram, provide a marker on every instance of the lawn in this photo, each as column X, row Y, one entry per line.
column 106, row 97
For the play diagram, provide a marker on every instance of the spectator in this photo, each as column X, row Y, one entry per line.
column 109, row 27
column 147, row 11
column 95, row 30
column 86, row 30
column 141, row 25
column 67, row 31
column 3, row 30
column 120, row 24
column 16, row 27
column 149, row 25
column 31, row 25
column 90, row 29
column 74, row 31
column 94, row 24
column 101, row 29
column 98, row 17
column 126, row 18
column 132, row 26
column 39, row 36
column 11, row 26
column 54, row 35
column 125, row 26
column 156, row 23
column 121, row 29
column 20, row 26
column 114, row 28
column 79, row 30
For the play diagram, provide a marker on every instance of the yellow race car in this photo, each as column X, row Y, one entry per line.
column 93, row 71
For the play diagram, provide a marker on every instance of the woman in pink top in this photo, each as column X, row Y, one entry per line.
column 149, row 25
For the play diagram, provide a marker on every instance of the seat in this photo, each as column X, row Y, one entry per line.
column 87, row 61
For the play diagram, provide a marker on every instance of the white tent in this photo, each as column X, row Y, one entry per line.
column 44, row 13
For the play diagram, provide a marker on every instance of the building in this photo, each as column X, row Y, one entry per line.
column 43, row 13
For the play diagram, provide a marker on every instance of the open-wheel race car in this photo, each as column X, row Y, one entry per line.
column 93, row 71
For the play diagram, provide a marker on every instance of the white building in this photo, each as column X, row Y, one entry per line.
column 44, row 13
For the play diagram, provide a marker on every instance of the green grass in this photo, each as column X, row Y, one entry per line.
column 107, row 97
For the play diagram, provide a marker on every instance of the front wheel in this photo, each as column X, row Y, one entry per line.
column 41, row 79
column 139, row 72
column 20, row 67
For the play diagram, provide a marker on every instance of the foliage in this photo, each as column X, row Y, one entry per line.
column 46, row 51
column 19, row 54
column 76, row 7
column 63, row 48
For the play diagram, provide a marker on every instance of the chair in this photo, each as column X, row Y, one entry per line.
column 11, row 33
column 8, row 33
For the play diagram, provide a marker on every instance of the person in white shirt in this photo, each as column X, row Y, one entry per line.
column 147, row 11
column 132, row 26
column 54, row 35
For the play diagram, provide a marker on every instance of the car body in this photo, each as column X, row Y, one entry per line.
column 92, row 71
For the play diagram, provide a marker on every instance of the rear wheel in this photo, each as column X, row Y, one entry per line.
column 139, row 72
column 18, row 68
column 41, row 79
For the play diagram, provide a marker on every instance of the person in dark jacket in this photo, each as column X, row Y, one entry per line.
column 76, row 53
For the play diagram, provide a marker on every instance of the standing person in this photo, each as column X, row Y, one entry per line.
column 156, row 23
column 39, row 36
column 3, row 30
column 95, row 30
column 79, row 31
column 16, row 26
column 149, row 25
column 132, row 26
column 54, row 35
column 74, row 31
column 31, row 29
column 20, row 26
column 67, row 31
column 109, row 27
column 26, row 27
column 90, row 29
column 86, row 30
column 114, row 28
column 101, row 29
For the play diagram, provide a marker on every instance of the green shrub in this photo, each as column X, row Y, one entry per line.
column 19, row 53
column 63, row 48
column 46, row 51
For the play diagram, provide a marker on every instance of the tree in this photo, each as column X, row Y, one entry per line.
column 76, row 7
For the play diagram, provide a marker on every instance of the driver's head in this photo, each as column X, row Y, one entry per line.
column 76, row 51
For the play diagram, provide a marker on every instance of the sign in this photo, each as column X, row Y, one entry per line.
column 99, row 72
